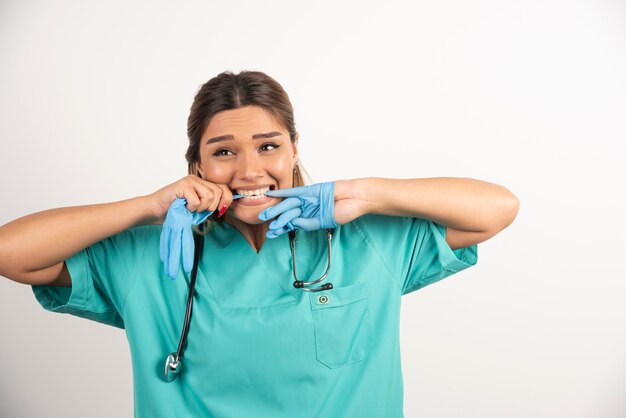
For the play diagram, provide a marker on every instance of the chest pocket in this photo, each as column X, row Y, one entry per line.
column 343, row 329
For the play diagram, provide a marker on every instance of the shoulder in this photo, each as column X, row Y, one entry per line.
column 384, row 224
column 143, row 232
column 385, row 233
column 131, row 241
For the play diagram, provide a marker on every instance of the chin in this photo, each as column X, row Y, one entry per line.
column 249, row 214
column 251, row 221
column 250, row 217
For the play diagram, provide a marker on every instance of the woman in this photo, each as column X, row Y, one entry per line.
column 257, row 345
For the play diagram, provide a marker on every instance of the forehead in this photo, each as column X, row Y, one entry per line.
column 243, row 122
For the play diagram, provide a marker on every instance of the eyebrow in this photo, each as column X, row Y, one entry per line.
column 230, row 137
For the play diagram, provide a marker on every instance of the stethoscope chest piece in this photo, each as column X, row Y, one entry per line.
column 172, row 368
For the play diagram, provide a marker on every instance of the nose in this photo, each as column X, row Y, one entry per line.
column 250, row 167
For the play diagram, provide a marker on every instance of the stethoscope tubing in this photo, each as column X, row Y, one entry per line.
column 173, row 363
column 199, row 242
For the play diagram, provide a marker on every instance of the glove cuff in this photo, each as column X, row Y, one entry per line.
column 327, row 205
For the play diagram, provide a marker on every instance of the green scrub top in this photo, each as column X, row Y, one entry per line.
column 257, row 346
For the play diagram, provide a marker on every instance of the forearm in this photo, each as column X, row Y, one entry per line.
column 460, row 203
column 44, row 239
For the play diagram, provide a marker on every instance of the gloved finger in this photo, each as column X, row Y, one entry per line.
column 275, row 233
column 174, row 257
column 188, row 247
column 291, row 192
column 285, row 217
column 199, row 217
column 164, row 243
column 164, row 248
column 306, row 224
column 279, row 208
column 168, row 254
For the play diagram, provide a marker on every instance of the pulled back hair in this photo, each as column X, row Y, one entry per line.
column 228, row 91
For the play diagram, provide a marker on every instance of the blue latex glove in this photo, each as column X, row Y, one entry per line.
column 307, row 208
column 177, row 237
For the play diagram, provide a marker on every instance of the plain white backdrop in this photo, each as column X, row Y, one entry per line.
column 94, row 98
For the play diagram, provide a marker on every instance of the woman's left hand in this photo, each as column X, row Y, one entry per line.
column 321, row 205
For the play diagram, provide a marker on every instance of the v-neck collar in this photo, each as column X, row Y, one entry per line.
column 271, row 248
column 274, row 254
column 274, row 258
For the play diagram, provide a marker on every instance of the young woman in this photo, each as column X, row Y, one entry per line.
column 257, row 344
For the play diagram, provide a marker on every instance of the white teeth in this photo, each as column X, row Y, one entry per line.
column 253, row 194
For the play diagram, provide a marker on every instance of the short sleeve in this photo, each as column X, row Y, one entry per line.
column 102, row 276
column 415, row 250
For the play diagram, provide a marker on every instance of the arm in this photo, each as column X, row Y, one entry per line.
column 33, row 249
column 472, row 210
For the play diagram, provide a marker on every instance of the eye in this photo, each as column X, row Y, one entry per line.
column 272, row 146
column 221, row 152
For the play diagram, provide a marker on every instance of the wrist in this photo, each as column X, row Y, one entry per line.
column 365, row 189
column 355, row 190
column 150, row 210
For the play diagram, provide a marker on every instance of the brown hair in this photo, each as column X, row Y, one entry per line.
column 228, row 91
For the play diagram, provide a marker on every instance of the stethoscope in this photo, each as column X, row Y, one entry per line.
column 173, row 363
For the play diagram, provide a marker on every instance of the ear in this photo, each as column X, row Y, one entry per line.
column 295, row 147
column 199, row 170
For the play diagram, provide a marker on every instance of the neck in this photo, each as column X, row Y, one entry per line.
column 254, row 234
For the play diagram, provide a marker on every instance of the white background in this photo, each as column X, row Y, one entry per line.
column 94, row 98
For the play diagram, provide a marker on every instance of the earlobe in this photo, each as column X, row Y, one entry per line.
column 295, row 147
column 200, row 173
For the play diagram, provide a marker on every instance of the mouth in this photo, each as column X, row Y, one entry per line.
column 254, row 194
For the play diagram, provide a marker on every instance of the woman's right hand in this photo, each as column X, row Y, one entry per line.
column 33, row 248
column 180, row 205
column 201, row 195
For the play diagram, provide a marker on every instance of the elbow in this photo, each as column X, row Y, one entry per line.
column 514, row 208
column 10, row 266
column 14, row 270
column 509, row 211
column 502, row 214
column 42, row 277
